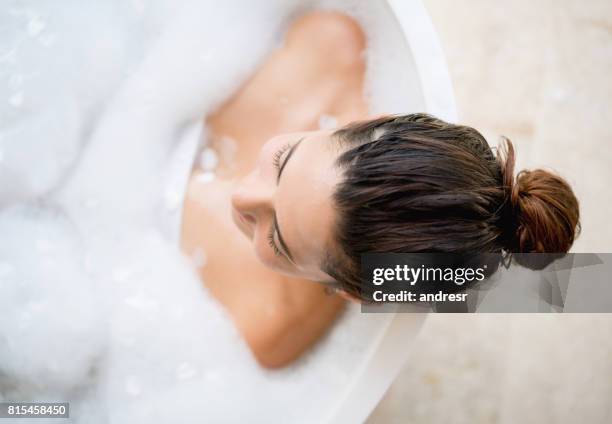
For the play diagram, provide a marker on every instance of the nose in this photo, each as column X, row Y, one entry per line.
column 253, row 198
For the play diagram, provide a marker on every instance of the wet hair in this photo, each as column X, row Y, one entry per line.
column 417, row 184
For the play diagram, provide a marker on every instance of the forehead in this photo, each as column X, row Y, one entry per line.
column 304, row 206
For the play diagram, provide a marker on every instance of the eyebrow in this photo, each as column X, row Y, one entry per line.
column 275, row 222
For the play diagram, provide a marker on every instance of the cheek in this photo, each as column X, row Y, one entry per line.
column 263, row 251
column 266, row 153
column 264, row 165
column 271, row 147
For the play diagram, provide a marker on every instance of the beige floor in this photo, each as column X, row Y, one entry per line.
column 539, row 72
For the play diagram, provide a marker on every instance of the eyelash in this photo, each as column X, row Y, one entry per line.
column 276, row 162
column 279, row 154
column 276, row 250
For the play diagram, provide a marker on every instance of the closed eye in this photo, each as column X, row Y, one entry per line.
column 278, row 155
column 283, row 159
column 280, row 161
column 272, row 243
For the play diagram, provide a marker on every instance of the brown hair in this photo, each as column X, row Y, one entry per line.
column 415, row 183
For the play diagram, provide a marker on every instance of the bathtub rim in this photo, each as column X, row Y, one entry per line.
column 390, row 351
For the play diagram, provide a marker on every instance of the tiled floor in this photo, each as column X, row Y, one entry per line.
column 541, row 74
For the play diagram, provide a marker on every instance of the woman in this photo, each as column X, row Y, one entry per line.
column 311, row 201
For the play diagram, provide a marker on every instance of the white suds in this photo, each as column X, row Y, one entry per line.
column 94, row 299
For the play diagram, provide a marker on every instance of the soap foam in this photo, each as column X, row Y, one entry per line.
column 98, row 306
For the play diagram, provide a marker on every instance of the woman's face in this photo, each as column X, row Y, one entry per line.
column 284, row 206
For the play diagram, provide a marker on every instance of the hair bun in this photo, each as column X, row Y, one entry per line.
column 542, row 212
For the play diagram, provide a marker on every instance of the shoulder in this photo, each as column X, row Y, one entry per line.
column 337, row 36
column 290, row 323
